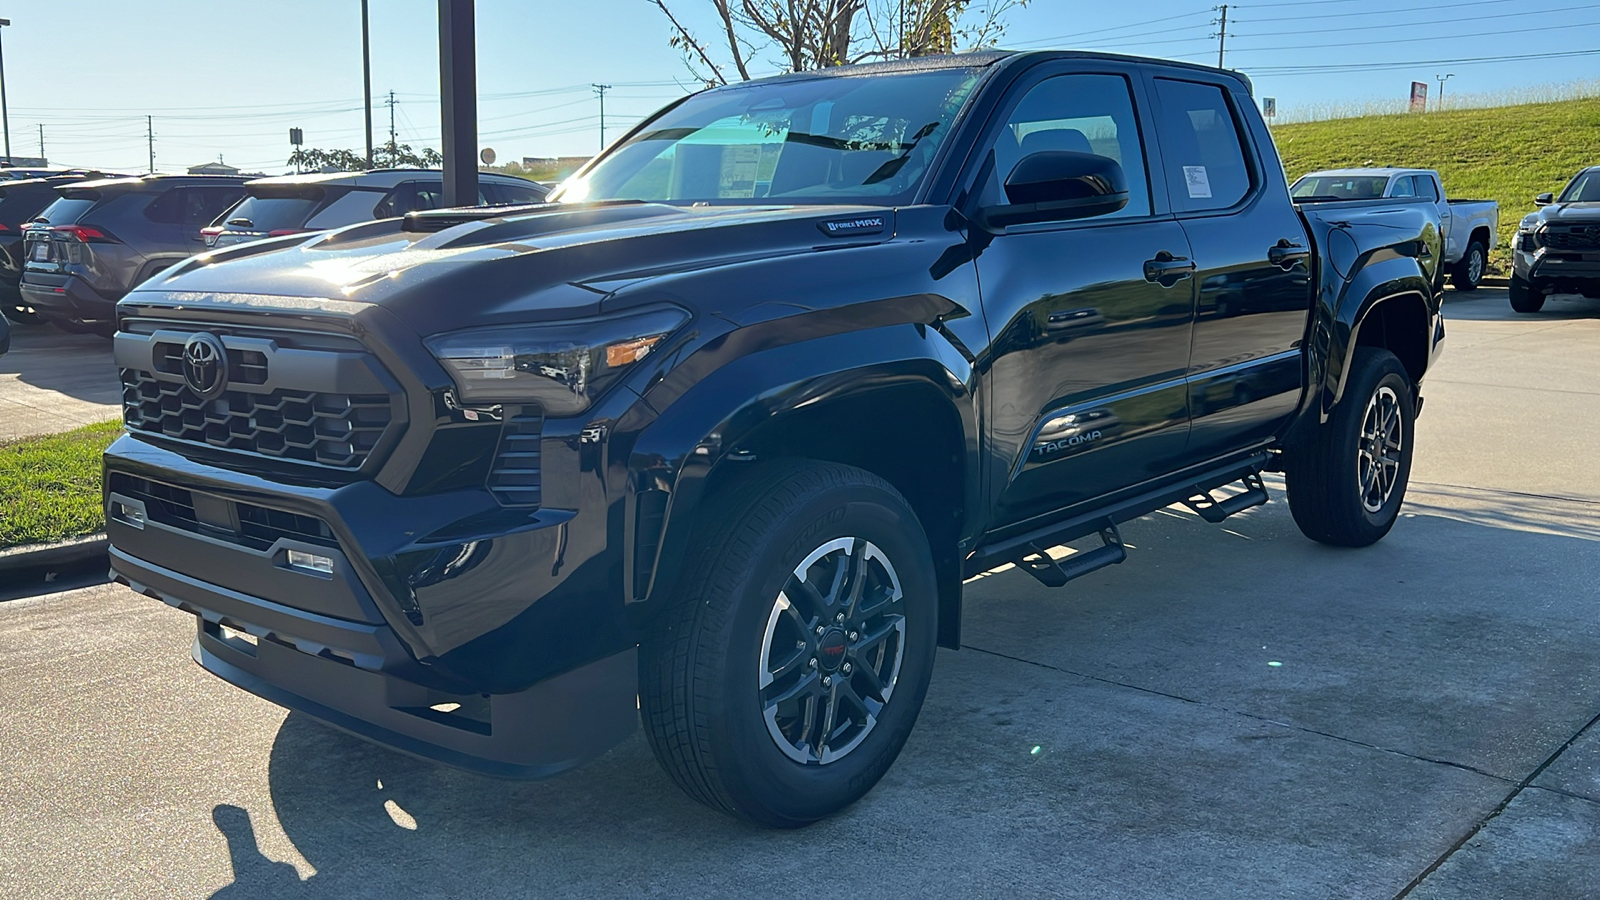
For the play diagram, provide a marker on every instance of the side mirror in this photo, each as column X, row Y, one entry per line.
column 1057, row 186
column 1544, row 199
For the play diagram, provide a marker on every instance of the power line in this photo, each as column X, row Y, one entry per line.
column 1408, row 9
column 1404, row 64
column 1518, row 15
column 1427, row 37
column 1161, row 21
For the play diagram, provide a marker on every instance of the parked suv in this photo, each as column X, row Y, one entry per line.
column 714, row 439
column 101, row 238
column 20, row 202
column 1557, row 248
column 294, row 203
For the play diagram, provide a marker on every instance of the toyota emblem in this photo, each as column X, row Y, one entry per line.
column 205, row 365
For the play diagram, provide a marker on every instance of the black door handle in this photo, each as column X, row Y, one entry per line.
column 1167, row 270
column 1285, row 254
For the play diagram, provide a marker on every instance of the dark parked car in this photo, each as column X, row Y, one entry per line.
column 20, row 202
column 273, row 207
column 1557, row 248
column 101, row 238
column 715, row 438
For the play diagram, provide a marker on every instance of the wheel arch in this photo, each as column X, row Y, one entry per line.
column 908, row 420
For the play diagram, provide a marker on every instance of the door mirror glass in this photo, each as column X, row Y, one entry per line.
column 1057, row 186
column 1544, row 199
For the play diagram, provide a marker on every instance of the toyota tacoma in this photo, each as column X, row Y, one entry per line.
column 712, row 440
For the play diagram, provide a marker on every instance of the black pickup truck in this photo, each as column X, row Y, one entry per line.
column 714, row 438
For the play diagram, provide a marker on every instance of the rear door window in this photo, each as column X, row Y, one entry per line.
column 1404, row 186
column 209, row 202
column 1201, row 146
column 1425, row 188
column 518, row 193
column 169, row 208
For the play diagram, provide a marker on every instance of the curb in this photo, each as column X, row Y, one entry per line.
column 77, row 551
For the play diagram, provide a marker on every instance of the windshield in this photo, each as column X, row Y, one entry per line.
column 1340, row 187
column 860, row 138
column 1583, row 189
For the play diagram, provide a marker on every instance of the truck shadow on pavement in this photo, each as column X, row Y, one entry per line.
column 1237, row 712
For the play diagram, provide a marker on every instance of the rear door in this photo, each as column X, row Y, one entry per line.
column 1091, row 318
column 1245, row 367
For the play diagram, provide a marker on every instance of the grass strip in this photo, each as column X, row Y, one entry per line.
column 50, row 485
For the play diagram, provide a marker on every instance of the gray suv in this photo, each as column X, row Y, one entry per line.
column 297, row 203
column 101, row 238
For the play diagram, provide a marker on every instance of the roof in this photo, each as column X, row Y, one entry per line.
column 1385, row 172
column 379, row 178
column 151, row 181
column 981, row 59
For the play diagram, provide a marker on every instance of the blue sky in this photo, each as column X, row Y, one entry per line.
column 231, row 76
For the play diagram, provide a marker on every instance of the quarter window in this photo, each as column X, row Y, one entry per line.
column 1201, row 146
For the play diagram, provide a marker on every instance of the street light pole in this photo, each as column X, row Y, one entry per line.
column 5, row 115
column 1438, row 104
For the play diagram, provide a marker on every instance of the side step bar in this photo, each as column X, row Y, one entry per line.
column 1053, row 572
column 1213, row 510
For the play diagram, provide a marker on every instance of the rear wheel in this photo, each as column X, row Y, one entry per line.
column 1524, row 298
column 1346, row 483
column 786, row 674
column 1469, row 271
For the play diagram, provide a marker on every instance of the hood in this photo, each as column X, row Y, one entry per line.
column 1569, row 214
column 543, row 263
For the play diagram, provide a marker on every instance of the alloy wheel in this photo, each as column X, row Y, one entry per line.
column 831, row 655
column 1382, row 444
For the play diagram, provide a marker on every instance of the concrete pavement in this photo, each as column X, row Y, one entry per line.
column 53, row 381
column 1236, row 712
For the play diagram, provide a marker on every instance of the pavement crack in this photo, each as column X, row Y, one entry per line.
column 1250, row 715
column 1563, row 792
column 1521, row 786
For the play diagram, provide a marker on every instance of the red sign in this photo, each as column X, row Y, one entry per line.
column 1419, row 96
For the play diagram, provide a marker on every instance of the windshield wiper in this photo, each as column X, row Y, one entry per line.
column 888, row 169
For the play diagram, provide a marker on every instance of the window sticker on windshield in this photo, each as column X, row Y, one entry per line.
column 1198, row 182
column 739, row 165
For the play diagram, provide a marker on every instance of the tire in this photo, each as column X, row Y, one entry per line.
column 710, row 705
column 1333, row 494
column 1524, row 298
column 1469, row 271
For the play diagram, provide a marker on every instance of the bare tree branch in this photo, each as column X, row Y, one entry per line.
column 688, row 42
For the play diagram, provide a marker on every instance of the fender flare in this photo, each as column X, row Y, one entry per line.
column 1386, row 277
column 697, row 439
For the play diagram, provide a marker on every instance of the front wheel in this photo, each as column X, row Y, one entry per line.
column 787, row 672
column 1524, row 298
column 1346, row 483
column 1469, row 271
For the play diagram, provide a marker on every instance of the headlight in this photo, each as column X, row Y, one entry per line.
column 561, row 366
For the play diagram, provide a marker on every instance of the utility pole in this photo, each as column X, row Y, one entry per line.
column 1222, row 32
column 5, row 115
column 393, row 146
column 41, row 142
column 600, row 90
column 150, row 135
column 1438, row 104
column 366, row 77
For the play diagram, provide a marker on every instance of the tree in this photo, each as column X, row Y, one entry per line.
column 799, row 35
column 387, row 155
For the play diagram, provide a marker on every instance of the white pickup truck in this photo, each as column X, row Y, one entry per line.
column 1470, row 226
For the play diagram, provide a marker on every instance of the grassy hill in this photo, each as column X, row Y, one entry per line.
column 1507, row 153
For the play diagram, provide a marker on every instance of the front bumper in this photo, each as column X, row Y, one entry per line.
column 425, row 602
column 535, row 733
column 66, row 297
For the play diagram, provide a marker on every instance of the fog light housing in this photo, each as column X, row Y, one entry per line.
column 127, row 515
column 310, row 562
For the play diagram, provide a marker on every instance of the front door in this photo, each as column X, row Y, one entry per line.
column 1091, row 317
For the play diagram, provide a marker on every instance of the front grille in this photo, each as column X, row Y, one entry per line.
column 515, row 479
column 245, row 524
column 312, row 397
column 1587, row 238
column 339, row 430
